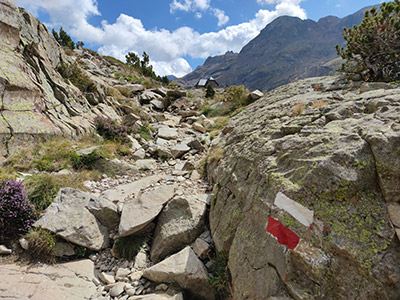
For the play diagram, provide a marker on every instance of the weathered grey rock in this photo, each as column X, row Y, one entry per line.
column 69, row 218
column 179, row 150
column 141, row 260
column 138, row 213
column 185, row 269
column 130, row 119
column 87, row 151
column 24, row 243
column 255, row 95
column 133, row 189
column 4, row 250
column 158, row 104
column 122, row 273
column 208, row 124
column 147, row 96
column 133, row 88
column 198, row 127
column 106, row 278
column 161, row 91
column 340, row 169
column 139, row 154
column 146, row 164
column 105, row 211
column 167, row 133
column 176, row 94
column 72, row 281
column 117, row 289
column 63, row 249
column 180, row 222
column 394, row 213
column 201, row 248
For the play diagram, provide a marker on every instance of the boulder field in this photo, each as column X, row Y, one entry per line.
column 307, row 191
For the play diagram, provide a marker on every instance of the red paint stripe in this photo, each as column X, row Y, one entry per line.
column 284, row 235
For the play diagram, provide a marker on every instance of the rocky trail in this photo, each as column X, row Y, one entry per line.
column 167, row 197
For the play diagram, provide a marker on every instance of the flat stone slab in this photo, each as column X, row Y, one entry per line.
column 138, row 213
column 68, row 281
column 167, row 133
column 133, row 189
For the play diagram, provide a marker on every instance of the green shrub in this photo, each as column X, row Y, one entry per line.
column 87, row 162
column 210, row 92
column 75, row 75
column 16, row 213
column 373, row 47
column 128, row 247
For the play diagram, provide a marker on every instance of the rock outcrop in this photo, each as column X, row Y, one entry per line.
column 314, row 164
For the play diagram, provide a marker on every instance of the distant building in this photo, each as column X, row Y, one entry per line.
column 203, row 83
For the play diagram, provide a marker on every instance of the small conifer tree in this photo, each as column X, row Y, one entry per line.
column 373, row 47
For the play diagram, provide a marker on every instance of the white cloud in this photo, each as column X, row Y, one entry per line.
column 166, row 48
column 189, row 5
column 222, row 18
column 199, row 7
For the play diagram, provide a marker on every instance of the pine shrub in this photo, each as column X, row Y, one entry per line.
column 16, row 213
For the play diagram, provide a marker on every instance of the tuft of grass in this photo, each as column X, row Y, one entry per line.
column 41, row 244
column 219, row 279
column 145, row 131
column 298, row 109
column 319, row 103
column 215, row 155
column 87, row 162
column 129, row 246
column 41, row 189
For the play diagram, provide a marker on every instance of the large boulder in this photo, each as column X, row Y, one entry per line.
column 69, row 217
column 185, row 269
column 304, row 180
column 180, row 222
column 139, row 212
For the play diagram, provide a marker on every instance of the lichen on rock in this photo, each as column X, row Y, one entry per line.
column 339, row 158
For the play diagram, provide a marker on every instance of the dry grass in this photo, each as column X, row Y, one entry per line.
column 319, row 103
column 298, row 109
column 215, row 155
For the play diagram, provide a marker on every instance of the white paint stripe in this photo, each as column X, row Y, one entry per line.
column 296, row 210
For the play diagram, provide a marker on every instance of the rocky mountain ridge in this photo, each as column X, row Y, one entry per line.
column 287, row 49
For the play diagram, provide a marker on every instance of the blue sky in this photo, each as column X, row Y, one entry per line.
column 177, row 34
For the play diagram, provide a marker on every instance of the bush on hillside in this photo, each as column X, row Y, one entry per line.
column 110, row 130
column 16, row 213
column 210, row 92
column 373, row 47
column 75, row 75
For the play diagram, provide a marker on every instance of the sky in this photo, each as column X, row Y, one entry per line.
column 178, row 35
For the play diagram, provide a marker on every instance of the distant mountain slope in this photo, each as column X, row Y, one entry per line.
column 286, row 49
